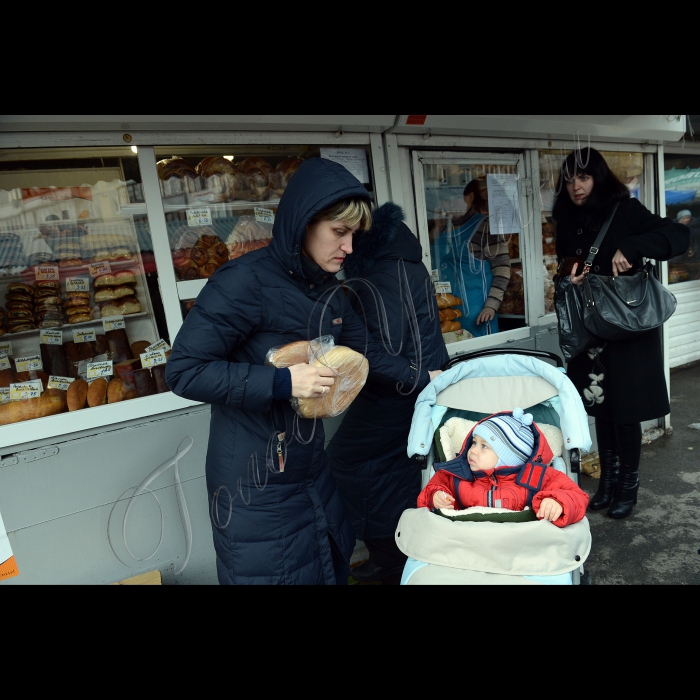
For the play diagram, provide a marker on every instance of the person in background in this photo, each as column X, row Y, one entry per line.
column 392, row 293
column 474, row 262
column 277, row 515
column 621, row 382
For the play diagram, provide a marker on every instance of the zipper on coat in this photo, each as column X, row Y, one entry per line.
column 280, row 456
column 494, row 486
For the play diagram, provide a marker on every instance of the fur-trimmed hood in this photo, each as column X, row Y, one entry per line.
column 389, row 238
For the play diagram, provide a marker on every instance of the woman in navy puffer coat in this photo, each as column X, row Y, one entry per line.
column 272, row 526
column 368, row 452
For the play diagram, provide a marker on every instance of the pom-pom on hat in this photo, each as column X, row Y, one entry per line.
column 509, row 436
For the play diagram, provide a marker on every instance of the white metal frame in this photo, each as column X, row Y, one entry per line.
column 450, row 157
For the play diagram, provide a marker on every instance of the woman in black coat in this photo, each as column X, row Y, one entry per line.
column 277, row 516
column 622, row 382
column 393, row 293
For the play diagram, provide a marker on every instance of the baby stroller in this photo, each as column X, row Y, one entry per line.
column 495, row 546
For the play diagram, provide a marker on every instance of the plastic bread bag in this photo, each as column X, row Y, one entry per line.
column 247, row 235
column 299, row 352
column 351, row 370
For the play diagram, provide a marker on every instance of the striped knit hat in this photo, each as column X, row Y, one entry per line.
column 509, row 436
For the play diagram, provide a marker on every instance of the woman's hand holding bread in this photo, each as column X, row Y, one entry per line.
column 309, row 381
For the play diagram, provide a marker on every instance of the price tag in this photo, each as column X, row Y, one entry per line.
column 5, row 362
column 201, row 216
column 83, row 336
column 443, row 288
column 113, row 323
column 30, row 362
column 51, row 338
column 4, row 394
column 435, row 276
column 6, row 348
column 100, row 369
column 264, row 216
column 151, row 359
column 77, row 284
column 46, row 272
column 26, row 390
column 60, row 382
column 99, row 268
column 158, row 345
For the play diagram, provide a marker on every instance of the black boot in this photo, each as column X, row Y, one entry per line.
column 609, row 464
column 629, row 440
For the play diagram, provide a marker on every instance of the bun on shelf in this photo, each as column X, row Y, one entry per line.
column 444, row 301
column 282, row 173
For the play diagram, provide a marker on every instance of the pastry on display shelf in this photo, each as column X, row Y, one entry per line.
column 282, row 173
column 221, row 178
column 247, row 235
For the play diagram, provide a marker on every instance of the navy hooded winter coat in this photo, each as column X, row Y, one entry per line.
column 272, row 526
column 368, row 452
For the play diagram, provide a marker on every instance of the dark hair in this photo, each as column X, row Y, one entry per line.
column 476, row 187
column 607, row 189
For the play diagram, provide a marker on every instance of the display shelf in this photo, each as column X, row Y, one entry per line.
column 140, row 209
column 67, row 326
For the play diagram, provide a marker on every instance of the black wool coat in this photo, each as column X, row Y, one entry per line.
column 272, row 526
column 623, row 381
column 368, row 452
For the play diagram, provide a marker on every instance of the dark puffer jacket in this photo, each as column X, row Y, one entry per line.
column 286, row 527
column 368, row 452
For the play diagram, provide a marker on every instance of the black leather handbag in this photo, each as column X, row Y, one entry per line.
column 574, row 336
column 618, row 308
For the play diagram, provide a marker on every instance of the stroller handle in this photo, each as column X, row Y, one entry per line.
column 498, row 351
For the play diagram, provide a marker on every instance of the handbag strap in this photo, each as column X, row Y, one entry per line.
column 599, row 239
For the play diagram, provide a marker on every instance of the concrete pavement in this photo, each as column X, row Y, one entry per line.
column 659, row 542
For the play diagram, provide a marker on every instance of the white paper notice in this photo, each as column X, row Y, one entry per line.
column 354, row 159
column 504, row 206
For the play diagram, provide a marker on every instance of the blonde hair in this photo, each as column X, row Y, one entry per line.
column 351, row 211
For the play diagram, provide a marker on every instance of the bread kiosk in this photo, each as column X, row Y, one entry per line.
column 109, row 228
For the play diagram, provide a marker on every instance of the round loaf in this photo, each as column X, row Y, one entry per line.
column 291, row 354
column 97, row 392
column 351, row 368
column 106, row 280
column 77, row 395
column 215, row 165
column 116, row 390
column 125, row 277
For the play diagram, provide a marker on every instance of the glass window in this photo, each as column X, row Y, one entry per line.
column 220, row 202
column 682, row 185
column 628, row 167
column 78, row 281
column 473, row 224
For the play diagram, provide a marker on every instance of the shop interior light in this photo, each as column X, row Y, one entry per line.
column 134, row 149
column 228, row 157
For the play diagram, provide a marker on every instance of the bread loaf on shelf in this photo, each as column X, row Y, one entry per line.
column 116, row 390
column 49, row 403
column 139, row 347
column 118, row 344
column 444, row 301
column 97, row 392
column 77, row 395
column 6, row 378
column 158, row 374
column 145, row 386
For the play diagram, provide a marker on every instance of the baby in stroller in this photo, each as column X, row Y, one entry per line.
column 503, row 465
column 500, row 502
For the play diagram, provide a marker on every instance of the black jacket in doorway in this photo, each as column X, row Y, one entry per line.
column 392, row 291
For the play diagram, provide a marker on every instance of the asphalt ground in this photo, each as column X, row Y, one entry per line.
column 659, row 542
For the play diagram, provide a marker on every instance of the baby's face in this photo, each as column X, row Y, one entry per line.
column 480, row 456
